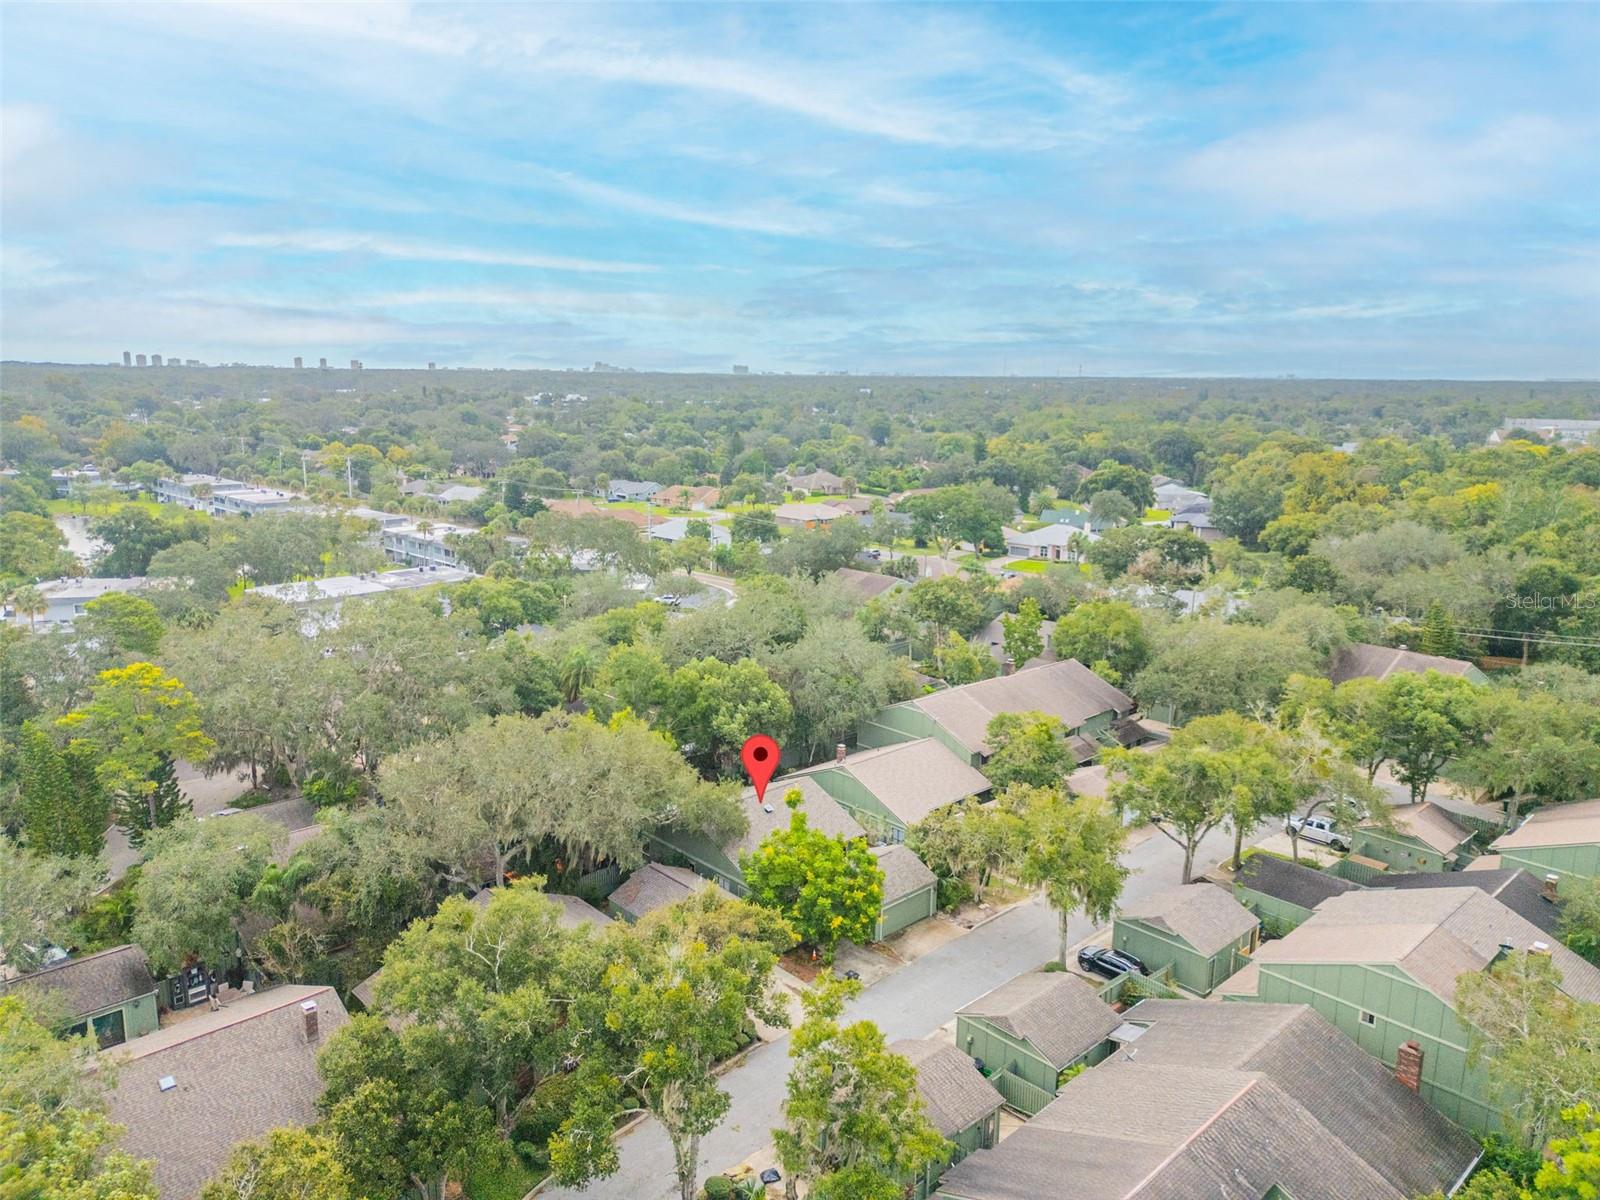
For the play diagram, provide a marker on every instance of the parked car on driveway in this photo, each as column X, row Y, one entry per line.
column 1318, row 829
column 1102, row 960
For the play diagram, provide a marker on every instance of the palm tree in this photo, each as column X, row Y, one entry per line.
column 577, row 673
column 29, row 600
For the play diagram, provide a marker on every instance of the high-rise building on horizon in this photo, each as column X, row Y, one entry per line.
column 127, row 358
column 140, row 359
column 432, row 366
column 740, row 369
column 155, row 360
column 355, row 364
column 297, row 362
column 322, row 364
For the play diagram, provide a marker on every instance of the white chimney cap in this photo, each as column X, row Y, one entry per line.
column 1540, row 948
column 166, row 1083
column 308, row 1006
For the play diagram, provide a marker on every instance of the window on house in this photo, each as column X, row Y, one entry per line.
column 1369, row 1018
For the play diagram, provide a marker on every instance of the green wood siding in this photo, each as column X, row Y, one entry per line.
column 981, row 1135
column 1000, row 1051
column 1400, row 850
column 907, row 911
column 1400, row 1010
column 1194, row 972
column 1277, row 916
column 132, row 1018
column 897, row 723
column 1571, row 863
column 861, row 804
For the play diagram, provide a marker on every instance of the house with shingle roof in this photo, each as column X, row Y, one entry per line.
column 110, row 993
column 654, row 886
column 1561, row 840
column 960, row 1103
column 868, row 584
column 820, row 482
column 187, row 1094
column 910, row 890
column 1197, row 929
column 1087, row 706
column 1362, row 660
column 1535, row 901
column 1281, row 893
column 631, row 489
column 1382, row 965
column 803, row 514
column 1214, row 1102
column 1033, row 1028
column 1418, row 837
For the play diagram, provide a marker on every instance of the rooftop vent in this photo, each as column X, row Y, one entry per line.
column 166, row 1083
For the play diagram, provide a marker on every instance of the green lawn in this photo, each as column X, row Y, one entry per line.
column 66, row 506
column 1028, row 566
column 1158, row 514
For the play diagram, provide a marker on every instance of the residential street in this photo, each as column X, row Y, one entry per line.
column 913, row 1002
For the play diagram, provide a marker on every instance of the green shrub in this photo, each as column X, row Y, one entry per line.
column 542, row 1116
column 718, row 1187
column 953, row 893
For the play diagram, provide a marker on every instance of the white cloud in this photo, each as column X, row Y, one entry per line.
column 1373, row 163
column 783, row 220
column 383, row 246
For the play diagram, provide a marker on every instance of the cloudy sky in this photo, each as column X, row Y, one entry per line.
column 1133, row 189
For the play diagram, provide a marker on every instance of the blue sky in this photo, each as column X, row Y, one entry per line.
column 1132, row 189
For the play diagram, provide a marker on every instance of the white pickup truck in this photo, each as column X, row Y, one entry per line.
column 1318, row 829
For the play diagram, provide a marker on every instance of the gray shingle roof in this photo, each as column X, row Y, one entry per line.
column 903, row 872
column 1519, row 891
column 1433, row 934
column 822, row 812
column 1575, row 824
column 238, row 1073
column 912, row 779
column 1361, row 660
column 868, row 584
column 1431, row 825
column 1067, row 689
column 89, row 984
column 656, row 885
column 1225, row 1100
column 575, row 911
column 1202, row 914
column 1293, row 883
column 954, row 1093
column 1057, row 1012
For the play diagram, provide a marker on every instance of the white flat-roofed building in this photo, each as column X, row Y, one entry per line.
column 66, row 600
column 181, row 489
column 419, row 545
column 250, row 502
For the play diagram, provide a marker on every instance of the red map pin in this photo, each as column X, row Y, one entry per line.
column 760, row 756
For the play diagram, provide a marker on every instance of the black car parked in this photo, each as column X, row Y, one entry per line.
column 1110, row 963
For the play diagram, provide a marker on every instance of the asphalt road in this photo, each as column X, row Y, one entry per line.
column 912, row 1002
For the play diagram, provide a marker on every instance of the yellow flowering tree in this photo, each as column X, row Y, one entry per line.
column 828, row 888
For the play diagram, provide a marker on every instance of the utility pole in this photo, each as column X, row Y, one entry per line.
column 349, row 479
column 305, row 482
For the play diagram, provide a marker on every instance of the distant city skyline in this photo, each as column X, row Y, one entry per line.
column 1324, row 191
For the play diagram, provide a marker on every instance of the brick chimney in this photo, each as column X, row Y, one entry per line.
column 308, row 1014
column 839, row 752
column 1008, row 667
column 1552, row 885
column 1408, row 1065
